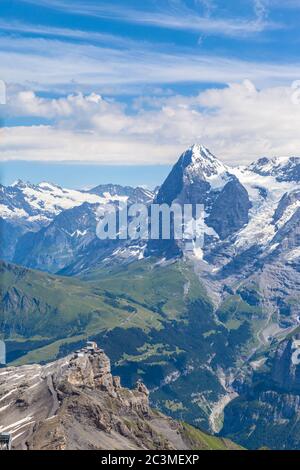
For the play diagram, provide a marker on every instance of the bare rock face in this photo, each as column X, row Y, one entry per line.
column 76, row 403
column 286, row 371
column 230, row 211
column 91, row 370
column 271, row 400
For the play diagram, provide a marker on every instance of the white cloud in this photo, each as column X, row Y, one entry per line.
column 239, row 123
column 45, row 31
column 53, row 65
column 44, row 143
column 172, row 14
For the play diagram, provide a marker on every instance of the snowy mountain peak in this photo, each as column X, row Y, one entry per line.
column 282, row 168
column 20, row 184
column 199, row 164
column 43, row 185
column 198, row 159
column 196, row 172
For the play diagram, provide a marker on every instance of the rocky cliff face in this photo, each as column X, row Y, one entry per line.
column 285, row 368
column 267, row 412
column 200, row 178
column 230, row 212
column 76, row 403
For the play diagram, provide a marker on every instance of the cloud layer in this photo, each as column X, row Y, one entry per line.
column 58, row 66
column 239, row 123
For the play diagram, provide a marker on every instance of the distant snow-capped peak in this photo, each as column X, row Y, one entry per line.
column 39, row 203
column 282, row 168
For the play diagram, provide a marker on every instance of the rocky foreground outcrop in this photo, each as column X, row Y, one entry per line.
column 76, row 403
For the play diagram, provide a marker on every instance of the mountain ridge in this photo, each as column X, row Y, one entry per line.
column 240, row 203
column 76, row 403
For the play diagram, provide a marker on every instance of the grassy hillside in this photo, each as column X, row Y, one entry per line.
column 200, row 440
column 40, row 312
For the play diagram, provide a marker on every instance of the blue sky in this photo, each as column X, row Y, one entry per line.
column 125, row 86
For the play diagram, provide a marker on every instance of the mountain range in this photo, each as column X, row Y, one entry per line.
column 205, row 329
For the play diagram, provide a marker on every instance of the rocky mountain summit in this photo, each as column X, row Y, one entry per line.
column 76, row 403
